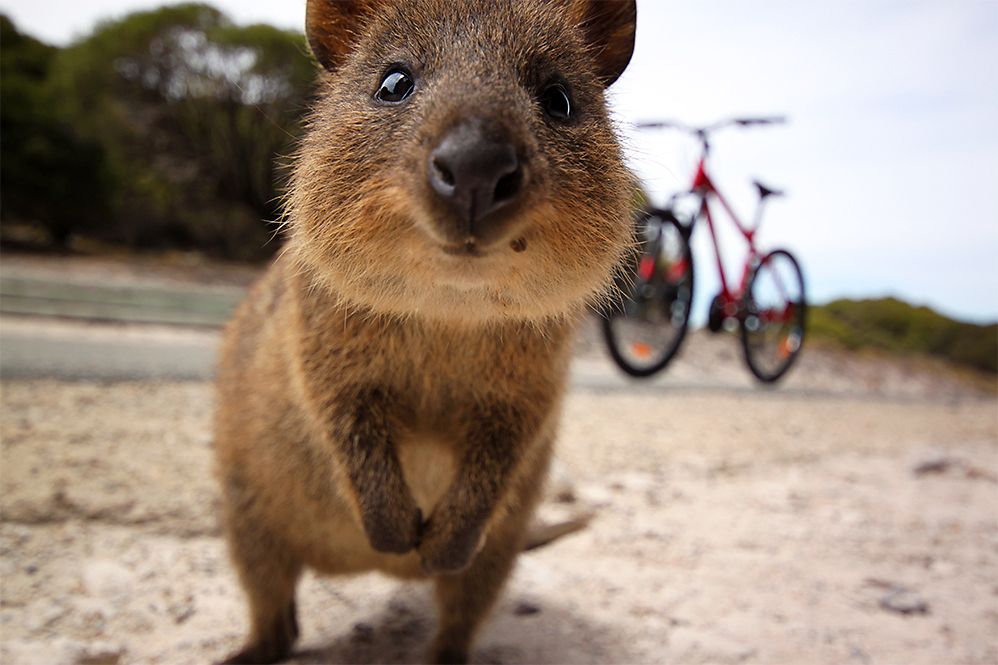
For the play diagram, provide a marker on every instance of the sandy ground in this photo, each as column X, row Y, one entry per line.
column 851, row 516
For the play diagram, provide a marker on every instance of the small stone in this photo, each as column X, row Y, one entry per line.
column 362, row 633
column 107, row 579
column 560, row 486
column 904, row 601
column 98, row 653
column 943, row 568
column 937, row 462
column 524, row 608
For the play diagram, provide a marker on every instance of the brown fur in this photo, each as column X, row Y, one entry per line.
column 389, row 393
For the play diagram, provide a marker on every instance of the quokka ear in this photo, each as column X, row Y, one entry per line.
column 333, row 27
column 609, row 27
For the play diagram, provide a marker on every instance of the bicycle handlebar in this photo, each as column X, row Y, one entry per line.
column 702, row 132
column 743, row 122
column 775, row 120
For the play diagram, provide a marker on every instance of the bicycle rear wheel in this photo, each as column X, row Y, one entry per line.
column 644, row 331
column 773, row 312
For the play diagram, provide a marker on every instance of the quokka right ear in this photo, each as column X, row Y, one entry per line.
column 333, row 27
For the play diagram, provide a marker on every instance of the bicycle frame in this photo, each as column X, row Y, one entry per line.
column 704, row 188
column 731, row 300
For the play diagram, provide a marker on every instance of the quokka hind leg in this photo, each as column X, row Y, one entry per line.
column 465, row 598
column 269, row 578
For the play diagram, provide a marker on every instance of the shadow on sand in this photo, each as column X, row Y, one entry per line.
column 519, row 630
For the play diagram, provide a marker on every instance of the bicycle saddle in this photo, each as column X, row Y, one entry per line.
column 766, row 191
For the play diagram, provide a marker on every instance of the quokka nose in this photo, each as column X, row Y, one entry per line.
column 474, row 175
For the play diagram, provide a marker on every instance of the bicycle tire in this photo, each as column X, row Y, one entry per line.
column 774, row 311
column 644, row 331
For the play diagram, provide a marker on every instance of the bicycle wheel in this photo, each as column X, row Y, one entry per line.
column 644, row 331
column 773, row 312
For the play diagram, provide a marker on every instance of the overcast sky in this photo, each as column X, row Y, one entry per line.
column 889, row 159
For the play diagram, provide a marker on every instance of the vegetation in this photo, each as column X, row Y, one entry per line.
column 50, row 175
column 164, row 129
column 898, row 327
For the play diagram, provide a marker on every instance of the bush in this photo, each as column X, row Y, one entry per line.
column 896, row 326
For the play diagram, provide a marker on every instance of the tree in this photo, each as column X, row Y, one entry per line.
column 50, row 176
column 193, row 113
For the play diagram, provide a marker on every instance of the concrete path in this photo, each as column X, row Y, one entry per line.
column 77, row 350
column 32, row 347
column 109, row 325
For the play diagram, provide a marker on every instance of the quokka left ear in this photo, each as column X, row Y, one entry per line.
column 609, row 26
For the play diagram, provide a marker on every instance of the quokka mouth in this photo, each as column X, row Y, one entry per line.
column 473, row 248
column 470, row 247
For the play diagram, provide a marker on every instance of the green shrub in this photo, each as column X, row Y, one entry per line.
column 896, row 326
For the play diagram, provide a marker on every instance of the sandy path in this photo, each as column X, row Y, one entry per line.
column 734, row 525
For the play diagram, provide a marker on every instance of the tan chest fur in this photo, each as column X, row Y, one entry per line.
column 428, row 466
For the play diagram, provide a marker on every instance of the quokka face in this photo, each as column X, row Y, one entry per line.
column 461, row 159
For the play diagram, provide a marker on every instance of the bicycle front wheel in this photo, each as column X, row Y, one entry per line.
column 644, row 332
column 773, row 312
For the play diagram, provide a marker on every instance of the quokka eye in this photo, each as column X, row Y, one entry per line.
column 395, row 87
column 555, row 102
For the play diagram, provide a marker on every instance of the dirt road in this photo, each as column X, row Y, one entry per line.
column 851, row 516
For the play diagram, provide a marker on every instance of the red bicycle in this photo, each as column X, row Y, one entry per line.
column 645, row 330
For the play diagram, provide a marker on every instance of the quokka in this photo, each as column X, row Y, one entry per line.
column 390, row 391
